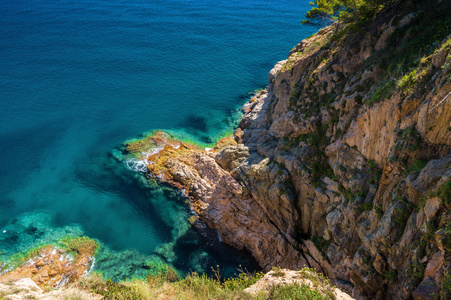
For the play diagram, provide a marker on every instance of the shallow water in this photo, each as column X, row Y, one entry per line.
column 78, row 78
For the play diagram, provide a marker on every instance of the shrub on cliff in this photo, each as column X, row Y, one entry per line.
column 348, row 11
column 200, row 287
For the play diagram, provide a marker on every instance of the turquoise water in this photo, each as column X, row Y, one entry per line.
column 78, row 78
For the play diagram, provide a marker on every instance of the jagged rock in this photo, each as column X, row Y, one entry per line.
column 52, row 267
column 318, row 256
column 379, row 264
column 382, row 42
column 428, row 177
column 26, row 288
column 286, row 126
column 315, row 150
column 427, row 290
column 349, row 165
column 439, row 58
column 431, row 207
column 435, row 267
column 232, row 157
column 286, row 277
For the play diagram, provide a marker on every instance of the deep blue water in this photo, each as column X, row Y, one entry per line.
column 78, row 78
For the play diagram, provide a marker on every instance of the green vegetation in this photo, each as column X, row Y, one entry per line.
column 426, row 236
column 444, row 192
column 446, row 286
column 195, row 286
column 277, row 272
column 347, row 11
column 401, row 214
column 411, row 139
column 20, row 258
column 319, row 282
column 321, row 244
column 416, row 165
column 75, row 245
column 379, row 211
column 364, row 206
column 318, row 164
column 391, row 276
column 296, row 292
column 416, row 271
column 406, row 60
column 408, row 81
column 447, row 229
column 72, row 245
column 383, row 91
column 241, row 282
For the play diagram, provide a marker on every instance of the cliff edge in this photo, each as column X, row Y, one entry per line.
column 342, row 163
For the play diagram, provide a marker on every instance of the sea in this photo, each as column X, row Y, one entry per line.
column 80, row 78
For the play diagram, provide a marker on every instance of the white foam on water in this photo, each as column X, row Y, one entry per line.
column 136, row 165
column 93, row 262
column 140, row 165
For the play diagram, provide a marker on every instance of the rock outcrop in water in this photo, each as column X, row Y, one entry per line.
column 50, row 266
column 342, row 163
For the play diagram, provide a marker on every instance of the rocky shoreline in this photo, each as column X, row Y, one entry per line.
column 342, row 164
column 329, row 170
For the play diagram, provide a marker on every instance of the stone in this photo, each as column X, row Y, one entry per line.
column 57, row 271
column 426, row 290
column 379, row 264
column 438, row 60
column 232, row 157
column 286, row 277
column 428, row 177
column 276, row 188
column 40, row 263
column 382, row 42
column 435, row 268
column 317, row 255
column 431, row 207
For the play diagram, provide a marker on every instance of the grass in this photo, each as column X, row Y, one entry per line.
column 408, row 81
column 383, row 91
column 76, row 295
column 406, row 59
column 416, row 271
column 446, row 286
column 391, row 276
column 277, row 272
column 444, row 192
column 193, row 286
column 199, row 287
column 416, row 165
column 296, row 292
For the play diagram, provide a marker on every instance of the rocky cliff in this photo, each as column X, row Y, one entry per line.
column 343, row 162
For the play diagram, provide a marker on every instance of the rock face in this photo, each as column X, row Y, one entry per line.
column 279, row 276
column 339, row 164
column 53, row 267
column 26, row 288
